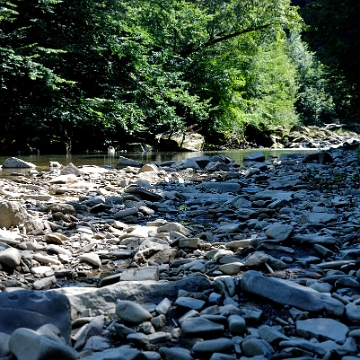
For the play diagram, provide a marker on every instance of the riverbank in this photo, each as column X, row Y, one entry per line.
column 209, row 259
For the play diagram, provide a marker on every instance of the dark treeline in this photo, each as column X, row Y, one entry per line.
column 82, row 74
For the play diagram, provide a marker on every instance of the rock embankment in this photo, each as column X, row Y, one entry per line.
column 197, row 259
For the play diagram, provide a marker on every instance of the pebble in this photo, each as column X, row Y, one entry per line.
column 194, row 259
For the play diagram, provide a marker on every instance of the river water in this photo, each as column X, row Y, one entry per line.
column 101, row 159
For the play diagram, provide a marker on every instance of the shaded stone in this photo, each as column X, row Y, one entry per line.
column 322, row 328
column 14, row 162
column 255, row 156
column 123, row 162
column 27, row 344
column 200, row 326
column 211, row 346
column 32, row 309
column 131, row 312
column 70, row 169
column 279, row 232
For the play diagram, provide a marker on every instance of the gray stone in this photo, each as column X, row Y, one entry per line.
column 131, row 312
column 324, row 328
column 27, row 344
column 279, row 232
column 200, row 326
column 175, row 353
column 271, row 334
column 123, row 162
column 91, row 258
column 149, row 168
column 305, row 345
column 220, row 356
column 190, row 303
column 154, row 249
column 352, row 312
column 174, row 226
column 179, row 141
column 13, row 214
column 253, row 347
column 191, row 243
column 231, row 268
column 44, row 282
column 139, row 291
column 163, row 306
column 4, row 345
column 14, row 162
column 94, row 326
column 224, row 187
column 70, row 169
column 237, row 325
column 96, row 343
column 113, row 354
column 255, row 156
column 206, row 347
column 32, row 309
column 289, row 293
column 142, row 193
column 10, row 257
column 140, row 274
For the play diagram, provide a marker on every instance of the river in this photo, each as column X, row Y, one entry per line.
column 101, row 159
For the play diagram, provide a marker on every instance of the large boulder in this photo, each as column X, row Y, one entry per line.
column 32, row 309
column 149, row 291
column 181, row 141
column 14, row 162
column 14, row 214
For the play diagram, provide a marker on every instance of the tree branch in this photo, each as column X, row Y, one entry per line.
column 190, row 50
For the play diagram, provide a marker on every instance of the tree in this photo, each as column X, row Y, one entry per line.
column 334, row 33
column 76, row 69
column 314, row 103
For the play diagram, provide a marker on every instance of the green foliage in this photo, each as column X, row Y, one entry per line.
column 76, row 70
column 314, row 103
column 333, row 32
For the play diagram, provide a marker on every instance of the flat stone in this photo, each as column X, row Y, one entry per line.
column 190, row 303
column 44, row 282
column 289, row 293
column 232, row 268
column 199, row 326
column 322, row 328
column 279, row 232
column 175, row 353
column 210, row 346
column 123, row 162
column 270, row 334
column 140, row 274
column 174, row 226
column 223, row 187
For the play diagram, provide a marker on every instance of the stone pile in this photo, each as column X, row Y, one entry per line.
column 197, row 259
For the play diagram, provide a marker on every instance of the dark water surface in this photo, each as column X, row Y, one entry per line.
column 101, row 159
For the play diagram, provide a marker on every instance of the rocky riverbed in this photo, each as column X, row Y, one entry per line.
column 196, row 259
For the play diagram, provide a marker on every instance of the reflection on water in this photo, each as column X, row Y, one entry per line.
column 101, row 159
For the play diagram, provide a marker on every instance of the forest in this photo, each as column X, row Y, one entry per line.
column 80, row 72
